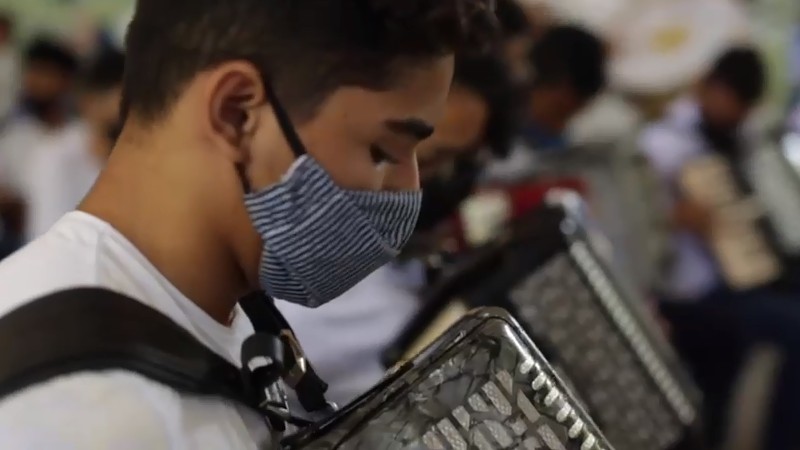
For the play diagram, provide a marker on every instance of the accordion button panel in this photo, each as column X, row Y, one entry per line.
column 483, row 385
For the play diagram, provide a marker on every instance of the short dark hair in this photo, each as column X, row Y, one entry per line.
column 570, row 54
column 743, row 71
column 105, row 71
column 513, row 20
column 307, row 48
column 51, row 52
column 488, row 76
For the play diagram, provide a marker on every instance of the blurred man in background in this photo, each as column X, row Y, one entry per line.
column 9, row 66
column 481, row 119
column 44, row 112
column 347, row 338
column 63, row 171
column 569, row 66
column 569, row 70
column 711, row 322
column 47, row 81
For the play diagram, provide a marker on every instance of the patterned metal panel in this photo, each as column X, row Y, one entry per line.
column 602, row 352
column 595, row 333
column 482, row 385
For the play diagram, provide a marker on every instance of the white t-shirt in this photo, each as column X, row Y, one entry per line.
column 116, row 409
column 20, row 141
column 61, row 173
column 345, row 339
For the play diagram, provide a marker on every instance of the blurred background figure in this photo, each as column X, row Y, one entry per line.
column 712, row 320
column 45, row 110
column 568, row 67
column 66, row 166
column 713, row 118
column 47, row 81
column 480, row 121
column 9, row 66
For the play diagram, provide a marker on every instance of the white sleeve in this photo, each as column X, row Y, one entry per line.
column 88, row 412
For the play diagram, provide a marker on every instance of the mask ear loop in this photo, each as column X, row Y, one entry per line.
column 289, row 133
column 285, row 122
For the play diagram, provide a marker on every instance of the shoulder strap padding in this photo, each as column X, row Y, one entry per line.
column 93, row 329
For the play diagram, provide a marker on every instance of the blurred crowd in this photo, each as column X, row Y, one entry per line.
column 539, row 112
column 60, row 115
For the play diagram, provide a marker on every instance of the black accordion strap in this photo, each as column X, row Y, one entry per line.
column 299, row 373
column 92, row 329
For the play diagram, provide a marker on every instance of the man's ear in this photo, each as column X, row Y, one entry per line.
column 235, row 100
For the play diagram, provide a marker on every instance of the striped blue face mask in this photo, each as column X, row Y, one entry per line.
column 320, row 240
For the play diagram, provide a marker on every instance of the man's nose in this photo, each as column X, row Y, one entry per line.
column 402, row 177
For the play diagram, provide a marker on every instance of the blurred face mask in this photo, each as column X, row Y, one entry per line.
column 321, row 240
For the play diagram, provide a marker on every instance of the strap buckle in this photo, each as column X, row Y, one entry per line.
column 294, row 369
column 297, row 367
column 299, row 376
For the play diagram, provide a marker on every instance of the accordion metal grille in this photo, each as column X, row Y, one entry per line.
column 489, row 391
column 626, row 386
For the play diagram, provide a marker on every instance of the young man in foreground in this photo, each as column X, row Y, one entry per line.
column 267, row 144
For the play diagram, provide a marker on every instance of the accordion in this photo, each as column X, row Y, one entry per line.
column 546, row 274
column 482, row 385
column 621, row 191
column 755, row 202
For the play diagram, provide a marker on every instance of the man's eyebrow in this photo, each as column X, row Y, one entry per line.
column 413, row 127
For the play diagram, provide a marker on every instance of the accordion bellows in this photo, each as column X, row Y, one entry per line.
column 482, row 385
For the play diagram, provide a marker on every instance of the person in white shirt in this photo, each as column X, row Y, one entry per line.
column 45, row 109
column 265, row 146
column 712, row 323
column 44, row 113
column 65, row 168
column 346, row 338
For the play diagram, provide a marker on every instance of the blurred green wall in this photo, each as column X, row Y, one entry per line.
column 773, row 23
column 60, row 16
column 773, row 20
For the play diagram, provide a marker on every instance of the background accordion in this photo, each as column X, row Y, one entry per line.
column 544, row 271
column 754, row 197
